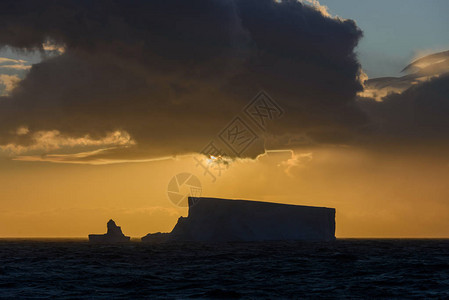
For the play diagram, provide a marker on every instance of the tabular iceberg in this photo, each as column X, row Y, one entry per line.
column 221, row 220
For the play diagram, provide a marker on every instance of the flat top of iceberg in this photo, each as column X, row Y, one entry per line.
column 227, row 220
column 195, row 200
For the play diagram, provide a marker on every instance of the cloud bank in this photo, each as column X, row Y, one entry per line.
column 412, row 109
column 419, row 71
column 173, row 73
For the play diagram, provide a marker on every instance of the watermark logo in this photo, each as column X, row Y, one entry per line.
column 181, row 187
column 239, row 135
column 262, row 109
column 236, row 138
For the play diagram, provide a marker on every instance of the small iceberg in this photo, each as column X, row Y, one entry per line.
column 114, row 235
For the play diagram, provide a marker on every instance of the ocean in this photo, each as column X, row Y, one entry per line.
column 346, row 268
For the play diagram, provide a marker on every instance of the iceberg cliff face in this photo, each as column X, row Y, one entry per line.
column 215, row 220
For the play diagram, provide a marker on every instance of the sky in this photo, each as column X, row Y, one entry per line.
column 103, row 103
column 395, row 32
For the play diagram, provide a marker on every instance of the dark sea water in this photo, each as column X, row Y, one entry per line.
column 348, row 268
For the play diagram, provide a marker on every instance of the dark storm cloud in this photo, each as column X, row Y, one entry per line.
column 413, row 109
column 172, row 73
column 418, row 114
column 418, row 71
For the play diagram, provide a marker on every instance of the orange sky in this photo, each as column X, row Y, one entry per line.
column 92, row 114
column 376, row 195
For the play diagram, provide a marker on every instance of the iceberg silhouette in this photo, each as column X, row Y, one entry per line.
column 113, row 235
column 224, row 220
